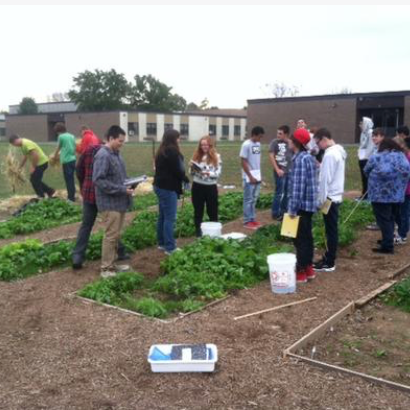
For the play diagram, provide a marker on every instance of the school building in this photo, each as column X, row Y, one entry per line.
column 223, row 124
column 2, row 127
column 340, row 113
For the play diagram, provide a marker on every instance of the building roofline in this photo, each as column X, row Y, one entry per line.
column 330, row 97
column 129, row 111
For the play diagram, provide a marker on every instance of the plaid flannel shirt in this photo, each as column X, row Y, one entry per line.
column 109, row 176
column 303, row 187
column 85, row 173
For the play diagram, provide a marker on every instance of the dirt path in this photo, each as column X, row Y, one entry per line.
column 57, row 352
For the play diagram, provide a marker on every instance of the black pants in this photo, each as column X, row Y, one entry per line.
column 385, row 216
column 36, row 179
column 304, row 241
column 204, row 195
column 332, row 234
column 69, row 172
column 90, row 212
column 362, row 164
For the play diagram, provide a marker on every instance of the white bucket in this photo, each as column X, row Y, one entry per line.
column 282, row 273
column 212, row 229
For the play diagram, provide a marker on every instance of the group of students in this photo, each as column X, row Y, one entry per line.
column 66, row 152
column 308, row 170
column 303, row 185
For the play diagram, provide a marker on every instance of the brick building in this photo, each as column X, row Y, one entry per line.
column 340, row 113
column 140, row 126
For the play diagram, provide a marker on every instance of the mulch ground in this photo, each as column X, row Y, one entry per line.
column 58, row 352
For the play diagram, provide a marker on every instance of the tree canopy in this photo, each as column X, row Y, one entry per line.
column 108, row 90
column 28, row 106
column 100, row 90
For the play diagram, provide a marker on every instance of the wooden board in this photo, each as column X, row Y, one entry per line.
column 372, row 379
column 367, row 298
column 321, row 329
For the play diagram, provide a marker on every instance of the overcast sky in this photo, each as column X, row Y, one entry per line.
column 224, row 53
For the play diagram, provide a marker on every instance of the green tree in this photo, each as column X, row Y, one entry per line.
column 100, row 90
column 28, row 106
column 148, row 93
column 192, row 107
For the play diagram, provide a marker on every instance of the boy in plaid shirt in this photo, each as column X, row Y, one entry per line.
column 303, row 202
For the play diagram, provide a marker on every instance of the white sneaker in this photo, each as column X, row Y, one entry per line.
column 174, row 250
column 122, row 268
column 161, row 248
column 399, row 240
column 107, row 274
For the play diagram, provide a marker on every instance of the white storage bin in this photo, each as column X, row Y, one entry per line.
column 163, row 363
column 239, row 236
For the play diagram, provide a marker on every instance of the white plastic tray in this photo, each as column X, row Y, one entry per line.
column 234, row 235
column 173, row 366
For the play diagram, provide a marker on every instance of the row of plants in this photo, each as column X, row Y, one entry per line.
column 23, row 259
column 398, row 295
column 44, row 214
column 49, row 213
column 203, row 271
column 209, row 269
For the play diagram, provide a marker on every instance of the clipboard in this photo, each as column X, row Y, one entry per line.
column 326, row 206
column 290, row 226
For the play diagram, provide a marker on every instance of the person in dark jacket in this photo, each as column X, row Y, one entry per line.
column 84, row 172
column 113, row 198
column 388, row 173
column 168, row 181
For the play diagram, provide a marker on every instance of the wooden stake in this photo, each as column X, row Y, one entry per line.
column 298, row 302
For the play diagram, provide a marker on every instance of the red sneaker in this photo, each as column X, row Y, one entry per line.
column 251, row 225
column 301, row 276
column 257, row 223
column 310, row 273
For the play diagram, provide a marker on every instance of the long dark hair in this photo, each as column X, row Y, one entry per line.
column 169, row 141
column 388, row 144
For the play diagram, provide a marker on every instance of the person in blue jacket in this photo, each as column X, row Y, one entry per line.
column 388, row 173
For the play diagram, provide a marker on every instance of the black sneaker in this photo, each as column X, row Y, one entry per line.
column 123, row 257
column 323, row 266
column 77, row 265
column 383, row 250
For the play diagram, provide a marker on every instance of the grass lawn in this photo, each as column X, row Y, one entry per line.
column 138, row 157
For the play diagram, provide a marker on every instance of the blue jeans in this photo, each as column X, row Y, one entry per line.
column 167, row 203
column 250, row 196
column 69, row 172
column 403, row 218
column 280, row 200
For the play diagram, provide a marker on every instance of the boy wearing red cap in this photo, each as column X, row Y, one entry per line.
column 303, row 202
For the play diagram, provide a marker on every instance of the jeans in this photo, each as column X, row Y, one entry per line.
column 385, row 216
column 69, row 172
column 250, row 196
column 167, row 203
column 36, row 179
column 402, row 218
column 204, row 195
column 280, row 200
column 304, row 241
column 332, row 238
column 362, row 164
column 90, row 212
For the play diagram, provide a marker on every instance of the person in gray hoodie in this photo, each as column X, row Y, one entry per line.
column 366, row 149
column 331, row 188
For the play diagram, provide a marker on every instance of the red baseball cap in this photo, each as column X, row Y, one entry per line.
column 302, row 135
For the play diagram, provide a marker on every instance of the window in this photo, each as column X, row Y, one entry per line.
column 133, row 129
column 237, row 130
column 168, row 126
column 212, row 129
column 151, row 128
column 225, row 130
column 184, row 129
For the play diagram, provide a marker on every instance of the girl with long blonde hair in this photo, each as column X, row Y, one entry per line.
column 206, row 167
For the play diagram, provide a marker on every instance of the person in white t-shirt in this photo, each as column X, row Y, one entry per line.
column 251, row 174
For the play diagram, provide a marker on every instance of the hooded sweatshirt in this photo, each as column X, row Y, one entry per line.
column 332, row 175
column 366, row 147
